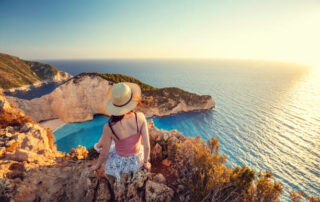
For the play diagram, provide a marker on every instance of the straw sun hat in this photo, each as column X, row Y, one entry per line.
column 122, row 98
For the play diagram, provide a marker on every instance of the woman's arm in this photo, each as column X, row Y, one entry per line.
column 99, row 144
column 145, row 137
column 105, row 142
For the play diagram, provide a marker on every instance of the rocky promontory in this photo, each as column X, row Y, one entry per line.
column 84, row 95
column 18, row 74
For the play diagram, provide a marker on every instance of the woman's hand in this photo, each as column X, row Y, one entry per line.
column 94, row 167
column 97, row 147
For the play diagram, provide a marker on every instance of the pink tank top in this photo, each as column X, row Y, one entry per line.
column 130, row 145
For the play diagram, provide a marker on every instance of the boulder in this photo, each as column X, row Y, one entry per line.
column 159, row 178
column 156, row 152
column 158, row 192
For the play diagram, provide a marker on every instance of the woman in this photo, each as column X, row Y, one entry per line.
column 127, row 129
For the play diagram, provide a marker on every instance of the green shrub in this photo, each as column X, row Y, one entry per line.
column 117, row 78
column 13, row 119
column 208, row 179
column 51, row 138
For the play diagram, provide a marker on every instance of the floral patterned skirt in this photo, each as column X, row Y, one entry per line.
column 116, row 165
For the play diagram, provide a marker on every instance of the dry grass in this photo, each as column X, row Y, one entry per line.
column 203, row 171
column 13, row 119
column 51, row 138
column 13, row 147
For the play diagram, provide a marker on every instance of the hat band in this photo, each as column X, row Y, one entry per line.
column 124, row 103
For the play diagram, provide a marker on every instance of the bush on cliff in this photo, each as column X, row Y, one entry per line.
column 51, row 138
column 11, row 116
column 15, row 72
column 117, row 78
column 13, row 119
column 204, row 173
column 92, row 153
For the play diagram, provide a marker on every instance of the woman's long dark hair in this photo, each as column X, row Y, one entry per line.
column 114, row 119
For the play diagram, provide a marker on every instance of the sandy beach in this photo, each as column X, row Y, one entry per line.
column 53, row 124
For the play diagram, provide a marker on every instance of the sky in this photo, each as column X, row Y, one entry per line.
column 282, row 30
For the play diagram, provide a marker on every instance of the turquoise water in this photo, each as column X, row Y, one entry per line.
column 267, row 115
column 88, row 133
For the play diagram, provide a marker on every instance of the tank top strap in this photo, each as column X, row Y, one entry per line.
column 135, row 113
column 112, row 130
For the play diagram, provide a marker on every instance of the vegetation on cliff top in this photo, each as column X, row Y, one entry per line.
column 43, row 71
column 161, row 94
column 15, row 72
column 13, row 118
column 207, row 177
column 116, row 78
column 202, row 170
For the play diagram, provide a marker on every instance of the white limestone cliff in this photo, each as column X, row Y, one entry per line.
column 79, row 99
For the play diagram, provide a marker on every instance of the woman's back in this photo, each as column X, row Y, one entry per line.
column 127, row 143
column 129, row 125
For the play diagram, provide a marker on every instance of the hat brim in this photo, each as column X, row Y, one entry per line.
column 118, row 111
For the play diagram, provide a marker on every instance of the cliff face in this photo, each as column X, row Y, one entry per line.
column 15, row 72
column 48, row 72
column 83, row 96
column 31, row 169
column 22, row 141
column 73, row 101
column 167, row 101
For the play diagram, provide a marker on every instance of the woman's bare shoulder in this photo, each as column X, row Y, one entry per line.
column 106, row 127
column 141, row 116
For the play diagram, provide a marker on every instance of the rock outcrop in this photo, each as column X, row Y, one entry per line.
column 48, row 73
column 83, row 96
column 23, row 143
column 18, row 74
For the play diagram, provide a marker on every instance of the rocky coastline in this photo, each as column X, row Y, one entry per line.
column 21, row 75
column 83, row 96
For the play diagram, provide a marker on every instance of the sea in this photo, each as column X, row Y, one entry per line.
column 267, row 114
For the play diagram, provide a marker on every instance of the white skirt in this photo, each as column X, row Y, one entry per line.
column 116, row 165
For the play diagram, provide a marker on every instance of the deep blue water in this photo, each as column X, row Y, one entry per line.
column 267, row 115
column 34, row 92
